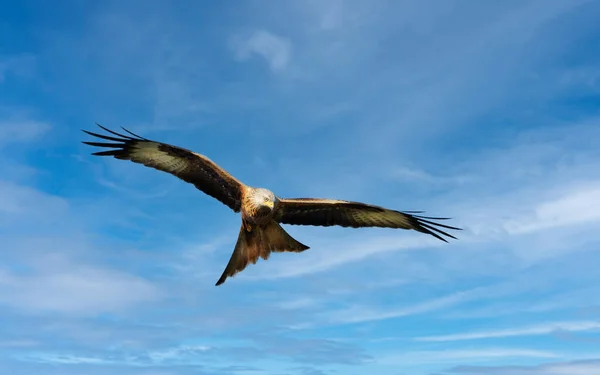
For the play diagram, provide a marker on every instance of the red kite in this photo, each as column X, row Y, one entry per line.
column 261, row 210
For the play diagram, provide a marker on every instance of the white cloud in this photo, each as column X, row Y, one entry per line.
column 542, row 179
column 59, row 285
column 275, row 50
column 23, row 202
column 578, row 206
column 542, row 329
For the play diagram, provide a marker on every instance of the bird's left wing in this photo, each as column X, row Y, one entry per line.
column 187, row 165
column 329, row 212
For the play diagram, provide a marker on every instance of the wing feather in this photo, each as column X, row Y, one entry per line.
column 329, row 212
column 187, row 165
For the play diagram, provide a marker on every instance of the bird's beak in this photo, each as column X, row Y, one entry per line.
column 270, row 204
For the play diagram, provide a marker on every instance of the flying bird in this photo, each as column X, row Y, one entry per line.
column 262, row 212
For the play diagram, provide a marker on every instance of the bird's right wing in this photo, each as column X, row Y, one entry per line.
column 187, row 165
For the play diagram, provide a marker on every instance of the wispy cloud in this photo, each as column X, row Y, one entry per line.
column 21, row 130
column 580, row 205
column 542, row 329
column 579, row 297
column 360, row 314
column 20, row 200
column 353, row 252
column 581, row 367
column 275, row 50
column 71, row 288
column 445, row 356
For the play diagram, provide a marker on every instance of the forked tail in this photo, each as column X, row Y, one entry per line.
column 259, row 242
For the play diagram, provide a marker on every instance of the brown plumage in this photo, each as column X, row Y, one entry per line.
column 261, row 211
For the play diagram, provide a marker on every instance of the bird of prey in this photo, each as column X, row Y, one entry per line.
column 262, row 212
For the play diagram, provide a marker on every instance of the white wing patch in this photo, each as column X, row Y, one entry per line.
column 148, row 153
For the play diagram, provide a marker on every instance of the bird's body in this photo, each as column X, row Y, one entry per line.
column 261, row 210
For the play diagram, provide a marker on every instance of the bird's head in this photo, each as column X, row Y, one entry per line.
column 264, row 200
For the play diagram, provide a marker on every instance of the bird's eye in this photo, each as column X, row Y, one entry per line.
column 266, row 199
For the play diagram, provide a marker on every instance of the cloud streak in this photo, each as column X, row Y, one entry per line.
column 581, row 367
column 21, row 130
column 542, row 329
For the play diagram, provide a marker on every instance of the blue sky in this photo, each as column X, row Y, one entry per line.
column 483, row 111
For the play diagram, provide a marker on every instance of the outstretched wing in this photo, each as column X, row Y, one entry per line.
column 329, row 212
column 189, row 166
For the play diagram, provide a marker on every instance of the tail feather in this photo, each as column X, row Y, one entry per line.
column 239, row 258
column 259, row 242
column 276, row 239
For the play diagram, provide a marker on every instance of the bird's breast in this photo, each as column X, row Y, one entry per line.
column 263, row 211
column 256, row 214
